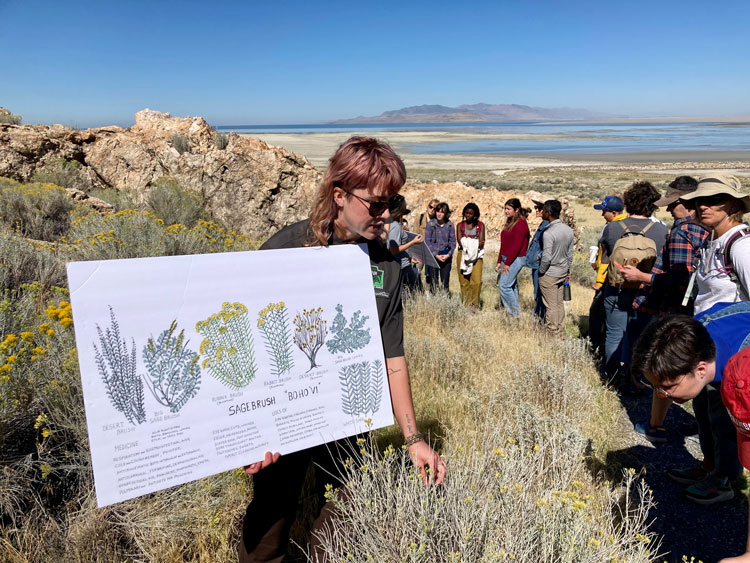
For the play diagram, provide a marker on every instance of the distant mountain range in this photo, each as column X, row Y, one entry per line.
column 474, row 112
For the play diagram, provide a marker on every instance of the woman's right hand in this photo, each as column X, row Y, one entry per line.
column 270, row 458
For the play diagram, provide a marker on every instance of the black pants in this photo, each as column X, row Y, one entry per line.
column 718, row 438
column 441, row 275
column 276, row 493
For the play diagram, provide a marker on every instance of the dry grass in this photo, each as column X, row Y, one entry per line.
column 520, row 416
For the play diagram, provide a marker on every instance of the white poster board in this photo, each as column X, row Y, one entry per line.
column 194, row 365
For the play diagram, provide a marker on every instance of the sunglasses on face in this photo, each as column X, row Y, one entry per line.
column 710, row 200
column 375, row 207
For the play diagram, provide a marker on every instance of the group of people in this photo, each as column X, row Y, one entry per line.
column 651, row 279
column 549, row 254
column 672, row 310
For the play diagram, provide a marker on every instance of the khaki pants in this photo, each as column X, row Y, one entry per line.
column 552, row 297
column 471, row 285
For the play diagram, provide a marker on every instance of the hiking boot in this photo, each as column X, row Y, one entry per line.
column 689, row 475
column 710, row 490
column 654, row 434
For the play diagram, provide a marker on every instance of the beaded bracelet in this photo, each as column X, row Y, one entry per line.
column 413, row 439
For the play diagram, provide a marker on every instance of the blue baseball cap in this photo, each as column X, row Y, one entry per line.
column 611, row 203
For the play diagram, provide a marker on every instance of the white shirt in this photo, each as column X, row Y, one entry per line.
column 714, row 284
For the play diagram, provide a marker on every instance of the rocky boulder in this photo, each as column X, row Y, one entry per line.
column 247, row 184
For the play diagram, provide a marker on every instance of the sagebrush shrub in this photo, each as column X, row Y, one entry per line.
column 173, row 204
column 35, row 210
column 221, row 140
column 180, row 142
column 60, row 172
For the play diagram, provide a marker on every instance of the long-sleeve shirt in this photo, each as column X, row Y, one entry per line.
column 670, row 273
column 534, row 253
column 439, row 238
column 513, row 243
column 557, row 250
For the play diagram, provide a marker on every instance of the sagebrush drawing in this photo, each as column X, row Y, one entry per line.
column 273, row 322
column 173, row 369
column 361, row 387
column 227, row 346
column 117, row 365
column 310, row 333
column 348, row 338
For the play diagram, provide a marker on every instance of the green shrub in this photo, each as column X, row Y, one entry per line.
column 120, row 200
column 133, row 234
column 60, row 172
column 12, row 118
column 36, row 210
column 221, row 140
column 173, row 204
column 180, row 142
column 23, row 261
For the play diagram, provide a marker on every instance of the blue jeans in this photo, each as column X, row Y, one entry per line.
column 539, row 310
column 618, row 305
column 508, row 286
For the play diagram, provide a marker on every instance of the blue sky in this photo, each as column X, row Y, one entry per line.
column 96, row 63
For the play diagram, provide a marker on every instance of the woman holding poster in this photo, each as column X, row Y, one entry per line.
column 351, row 206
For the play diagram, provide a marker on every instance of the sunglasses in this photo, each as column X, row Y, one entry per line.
column 716, row 199
column 375, row 207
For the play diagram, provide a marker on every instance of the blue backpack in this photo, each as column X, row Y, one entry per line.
column 729, row 327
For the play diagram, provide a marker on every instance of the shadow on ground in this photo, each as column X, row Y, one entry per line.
column 708, row 533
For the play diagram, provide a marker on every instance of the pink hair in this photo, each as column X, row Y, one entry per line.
column 359, row 163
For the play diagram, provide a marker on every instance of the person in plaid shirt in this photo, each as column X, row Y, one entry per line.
column 663, row 288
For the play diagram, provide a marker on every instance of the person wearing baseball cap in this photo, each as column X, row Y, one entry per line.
column 685, row 358
column 735, row 393
column 612, row 208
column 611, row 203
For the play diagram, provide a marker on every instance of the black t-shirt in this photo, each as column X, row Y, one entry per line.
column 386, row 278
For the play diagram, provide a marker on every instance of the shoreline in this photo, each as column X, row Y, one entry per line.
column 318, row 148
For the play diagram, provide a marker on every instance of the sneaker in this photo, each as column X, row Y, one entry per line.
column 654, row 434
column 710, row 490
column 689, row 475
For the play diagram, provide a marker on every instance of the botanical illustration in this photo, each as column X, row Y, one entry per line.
column 228, row 346
column 348, row 338
column 361, row 387
column 173, row 369
column 310, row 333
column 273, row 322
column 117, row 366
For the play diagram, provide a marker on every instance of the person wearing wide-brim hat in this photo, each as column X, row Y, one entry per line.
column 723, row 276
column 724, row 272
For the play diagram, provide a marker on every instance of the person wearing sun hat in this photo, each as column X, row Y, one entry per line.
column 723, row 274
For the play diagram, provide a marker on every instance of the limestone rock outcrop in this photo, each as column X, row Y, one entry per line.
column 250, row 186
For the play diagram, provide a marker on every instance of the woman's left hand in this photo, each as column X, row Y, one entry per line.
column 429, row 463
column 506, row 268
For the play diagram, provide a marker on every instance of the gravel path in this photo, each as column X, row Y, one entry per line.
column 706, row 532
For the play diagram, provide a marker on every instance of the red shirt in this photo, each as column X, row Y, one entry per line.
column 513, row 243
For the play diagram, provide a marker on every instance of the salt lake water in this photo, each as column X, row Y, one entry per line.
column 545, row 137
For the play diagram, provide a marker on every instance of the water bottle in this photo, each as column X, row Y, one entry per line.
column 566, row 291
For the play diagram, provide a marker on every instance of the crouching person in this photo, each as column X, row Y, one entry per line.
column 685, row 358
